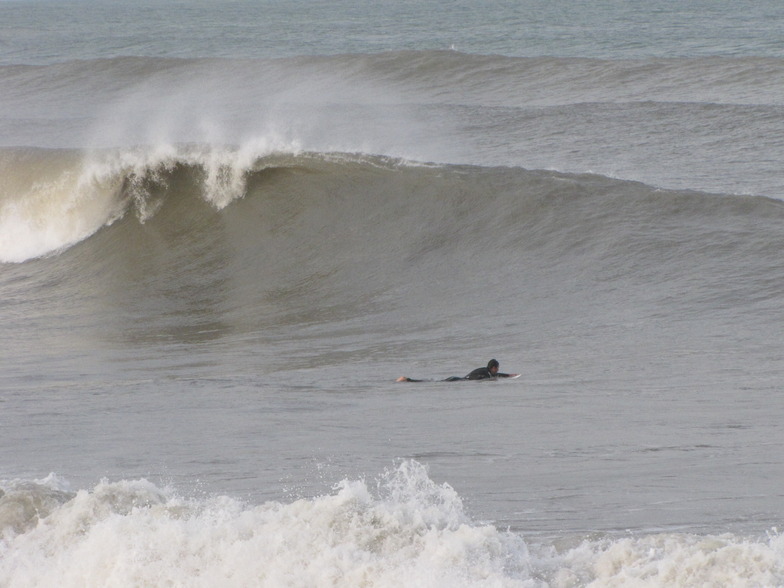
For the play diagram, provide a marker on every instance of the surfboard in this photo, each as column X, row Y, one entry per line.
column 510, row 377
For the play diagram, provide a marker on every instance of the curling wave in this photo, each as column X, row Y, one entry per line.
column 56, row 198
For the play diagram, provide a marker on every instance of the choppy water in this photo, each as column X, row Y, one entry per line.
column 225, row 231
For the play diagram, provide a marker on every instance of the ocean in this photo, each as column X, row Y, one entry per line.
column 227, row 228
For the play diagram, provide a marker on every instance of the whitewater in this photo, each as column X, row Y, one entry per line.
column 226, row 230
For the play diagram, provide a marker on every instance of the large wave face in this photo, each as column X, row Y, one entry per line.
column 237, row 242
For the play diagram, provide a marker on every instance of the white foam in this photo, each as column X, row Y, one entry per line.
column 54, row 215
column 135, row 534
column 409, row 531
column 673, row 559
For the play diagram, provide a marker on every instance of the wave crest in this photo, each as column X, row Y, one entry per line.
column 56, row 198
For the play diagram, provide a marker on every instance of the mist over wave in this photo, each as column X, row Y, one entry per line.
column 710, row 124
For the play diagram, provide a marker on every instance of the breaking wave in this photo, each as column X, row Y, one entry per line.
column 402, row 529
column 54, row 199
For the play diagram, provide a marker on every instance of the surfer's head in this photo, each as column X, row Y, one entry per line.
column 492, row 365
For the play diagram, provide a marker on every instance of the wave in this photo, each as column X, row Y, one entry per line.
column 54, row 199
column 247, row 239
column 402, row 530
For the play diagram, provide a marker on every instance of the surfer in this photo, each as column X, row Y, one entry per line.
column 483, row 373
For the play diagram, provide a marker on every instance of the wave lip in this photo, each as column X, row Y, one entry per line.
column 57, row 198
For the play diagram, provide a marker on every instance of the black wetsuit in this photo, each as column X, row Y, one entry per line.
column 481, row 373
column 484, row 373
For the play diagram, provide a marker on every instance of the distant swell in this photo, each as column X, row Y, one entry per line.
column 475, row 78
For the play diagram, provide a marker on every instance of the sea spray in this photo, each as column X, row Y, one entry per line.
column 132, row 533
column 407, row 531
